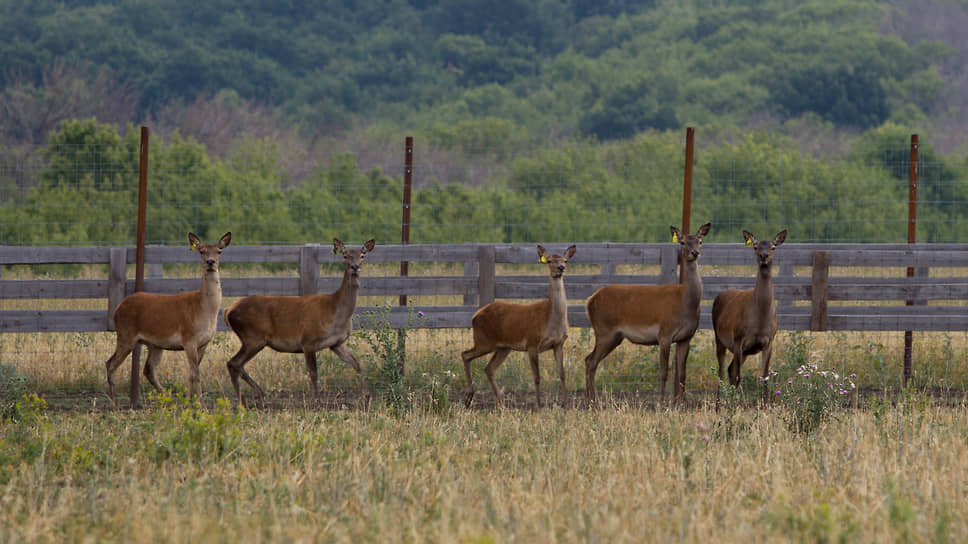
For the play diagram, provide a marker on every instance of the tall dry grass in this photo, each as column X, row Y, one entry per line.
column 895, row 472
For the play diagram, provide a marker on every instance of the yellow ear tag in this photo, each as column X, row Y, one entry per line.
column 543, row 259
column 335, row 251
column 194, row 246
column 675, row 239
column 749, row 242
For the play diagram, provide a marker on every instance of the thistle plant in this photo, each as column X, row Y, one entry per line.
column 812, row 396
column 389, row 346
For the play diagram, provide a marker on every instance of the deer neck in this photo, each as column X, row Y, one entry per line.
column 346, row 296
column 211, row 291
column 556, row 296
column 763, row 291
column 691, row 285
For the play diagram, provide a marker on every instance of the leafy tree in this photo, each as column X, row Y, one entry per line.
column 628, row 110
column 844, row 95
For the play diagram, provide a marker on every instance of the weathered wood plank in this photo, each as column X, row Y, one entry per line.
column 53, row 255
column 308, row 270
column 818, row 291
column 52, row 321
column 47, row 289
column 116, row 280
column 485, row 281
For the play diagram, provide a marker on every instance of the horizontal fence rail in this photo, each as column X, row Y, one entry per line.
column 818, row 286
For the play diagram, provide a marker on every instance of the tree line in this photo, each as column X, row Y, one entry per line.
column 623, row 191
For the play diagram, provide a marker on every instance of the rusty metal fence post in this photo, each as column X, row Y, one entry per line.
column 139, row 266
column 687, row 186
column 405, row 239
column 912, row 238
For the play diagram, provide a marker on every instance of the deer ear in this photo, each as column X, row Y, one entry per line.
column 779, row 238
column 569, row 252
column 676, row 235
column 337, row 246
column 703, row 230
column 541, row 255
column 368, row 246
column 194, row 241
column 750, row 239
column 225, row 241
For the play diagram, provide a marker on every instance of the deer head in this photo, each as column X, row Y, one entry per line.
column 556, row 263
column 764, row 248
column 690, row 244
column 210, row 253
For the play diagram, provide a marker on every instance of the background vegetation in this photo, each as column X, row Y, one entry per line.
column 296, row 116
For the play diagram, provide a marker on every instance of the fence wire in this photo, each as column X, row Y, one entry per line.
column 85, row 194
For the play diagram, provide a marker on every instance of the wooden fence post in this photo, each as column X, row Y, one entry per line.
column 486, row 275
column 818, row 291
column 668, row 261
column 471, row 269
column 308, row 269
column 116, row 278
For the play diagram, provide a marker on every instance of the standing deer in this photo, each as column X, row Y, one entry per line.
column 501, row 327
column 185, row 321
column 745, row 320
column 650, row 315
column 299, row 324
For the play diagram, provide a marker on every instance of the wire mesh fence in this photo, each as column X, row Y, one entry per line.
column 81, row 190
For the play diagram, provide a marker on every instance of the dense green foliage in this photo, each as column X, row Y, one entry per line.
column 609, row 69
column 573, row 108
column 623, row 191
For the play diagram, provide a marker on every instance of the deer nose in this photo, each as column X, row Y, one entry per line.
column 210, row 262
column 355, row 267
column 561, row 268
column 695, row 253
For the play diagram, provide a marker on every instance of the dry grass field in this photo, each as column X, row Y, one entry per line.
column 892, row 472
column 882, row 465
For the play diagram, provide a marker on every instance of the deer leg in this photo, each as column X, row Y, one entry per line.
column 194, row 359
column 721, row 358
column 151, row 363
column 536, row 372
column 313, row 373
column 347, row 356
column 467, row 356
column 766, row 355
column 736, row 366
column 603, row 346
column 560, row 359
column 682, row 355
column 236, row 366
column 120, row 354
column 664, row 349
column 496, row 360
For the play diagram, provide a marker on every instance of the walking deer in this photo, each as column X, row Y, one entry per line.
column 501, row 327
column 745, row 321
column 185, row 321
column 650, row 315
column 299, row 324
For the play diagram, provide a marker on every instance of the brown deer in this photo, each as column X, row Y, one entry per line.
column 745, row 321
column 185, row 321
column 650, row 315
column 501, row 327
column 299, row 324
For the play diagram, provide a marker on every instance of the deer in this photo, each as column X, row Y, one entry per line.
column 299, row 324
column 180, row 322
column 650, row 315
column 501, row 327
column 744, row 321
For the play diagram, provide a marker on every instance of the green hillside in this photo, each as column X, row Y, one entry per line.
column 535, row 120
column 608, row 69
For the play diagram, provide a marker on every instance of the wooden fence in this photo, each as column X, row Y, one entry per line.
column 818, row 286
